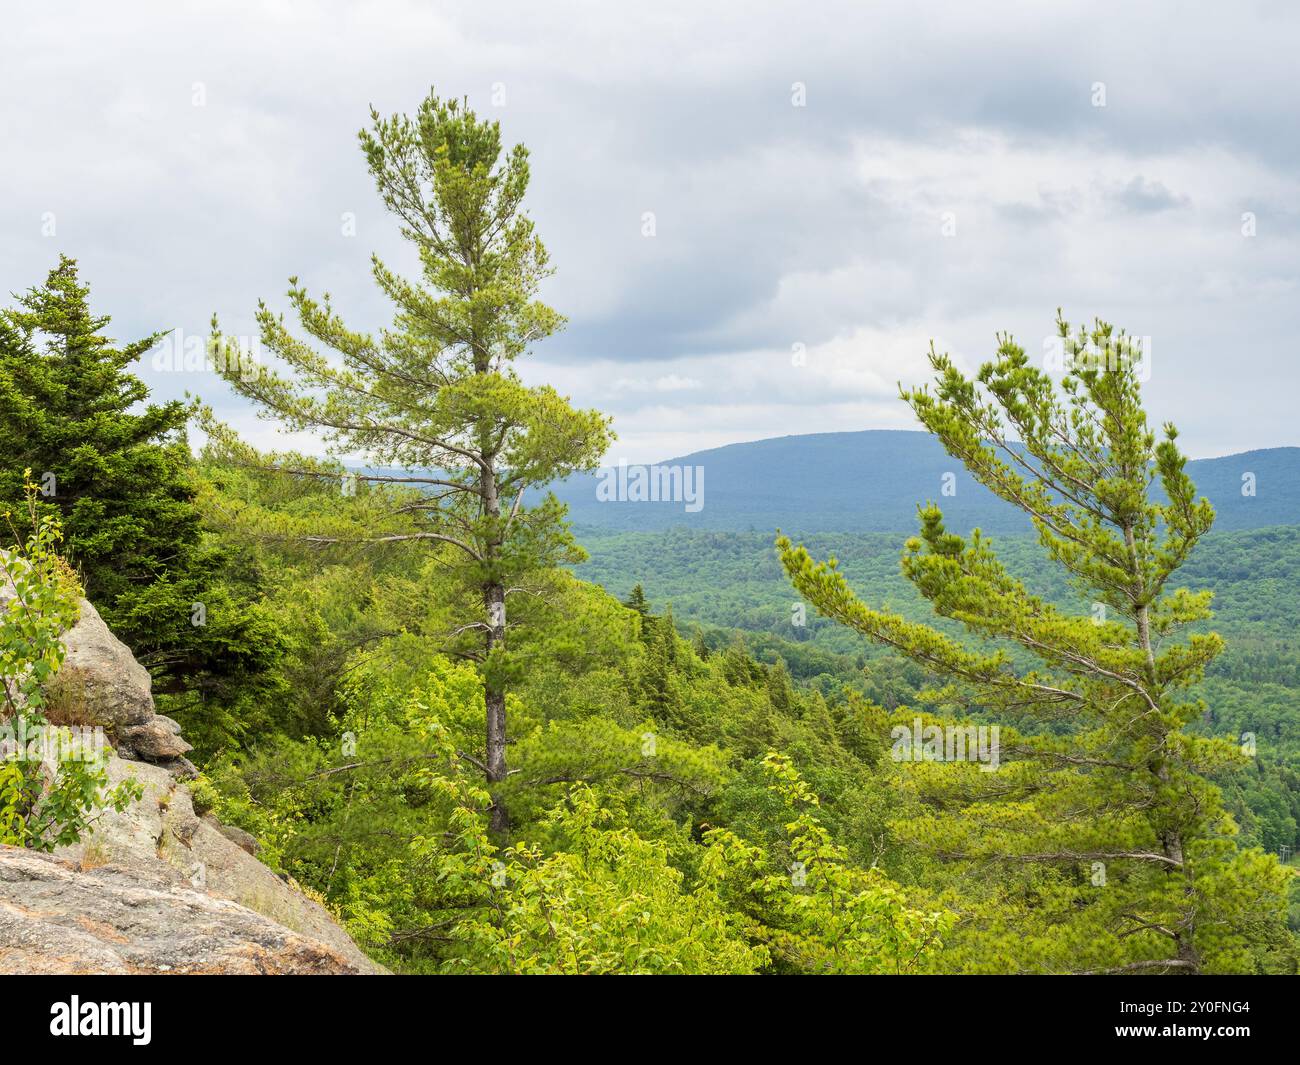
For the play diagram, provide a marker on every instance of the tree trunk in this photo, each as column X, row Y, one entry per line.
column 494, row 592
column 494, row 695
column 495, row 699
column 1171, row 842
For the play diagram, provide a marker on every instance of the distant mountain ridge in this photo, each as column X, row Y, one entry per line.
column 873, row 480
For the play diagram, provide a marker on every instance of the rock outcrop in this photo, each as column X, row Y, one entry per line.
column 154, row 888
column 161, row 835
column 101, row 683
column 58, row 917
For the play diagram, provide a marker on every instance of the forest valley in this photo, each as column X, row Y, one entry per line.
column 393, row 678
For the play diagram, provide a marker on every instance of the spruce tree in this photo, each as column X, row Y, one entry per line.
column 118, row 472
column 650, row 624
column 68, row 411
column 699, row 644
column 667, row 626
column 659, row 694
column 780, row 691
column 436, row 394
column 1099, row 845
column 637, row 601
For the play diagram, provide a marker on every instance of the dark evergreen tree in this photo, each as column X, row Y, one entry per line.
column 119, row 473
column 780, row 692
column 637, row 601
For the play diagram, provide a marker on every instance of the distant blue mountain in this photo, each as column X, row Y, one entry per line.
column 872, row 481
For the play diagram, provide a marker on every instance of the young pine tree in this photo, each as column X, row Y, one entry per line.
column 436, row 394
column 1098, row 845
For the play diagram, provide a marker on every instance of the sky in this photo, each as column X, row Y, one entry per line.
column 760, row 214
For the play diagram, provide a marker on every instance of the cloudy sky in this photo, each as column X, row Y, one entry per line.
column 845, row 181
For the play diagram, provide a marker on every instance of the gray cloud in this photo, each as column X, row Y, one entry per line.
column 1142, row 196
column 949, row 176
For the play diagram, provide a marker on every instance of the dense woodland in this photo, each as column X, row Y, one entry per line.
column 486, row 754
column 723, row 581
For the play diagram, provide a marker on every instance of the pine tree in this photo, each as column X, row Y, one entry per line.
column 1111, row 850
column 436, row 394
column 738, row 666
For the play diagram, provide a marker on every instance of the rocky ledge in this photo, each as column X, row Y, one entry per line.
column 59, row 917
column 155, row 888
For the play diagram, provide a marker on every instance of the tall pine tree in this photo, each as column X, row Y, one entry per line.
column 436, row 394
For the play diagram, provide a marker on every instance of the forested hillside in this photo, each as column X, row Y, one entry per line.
column 722, row 581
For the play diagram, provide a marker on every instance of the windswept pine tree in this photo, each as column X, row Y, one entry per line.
column 436, row 394
column 1099, row 845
